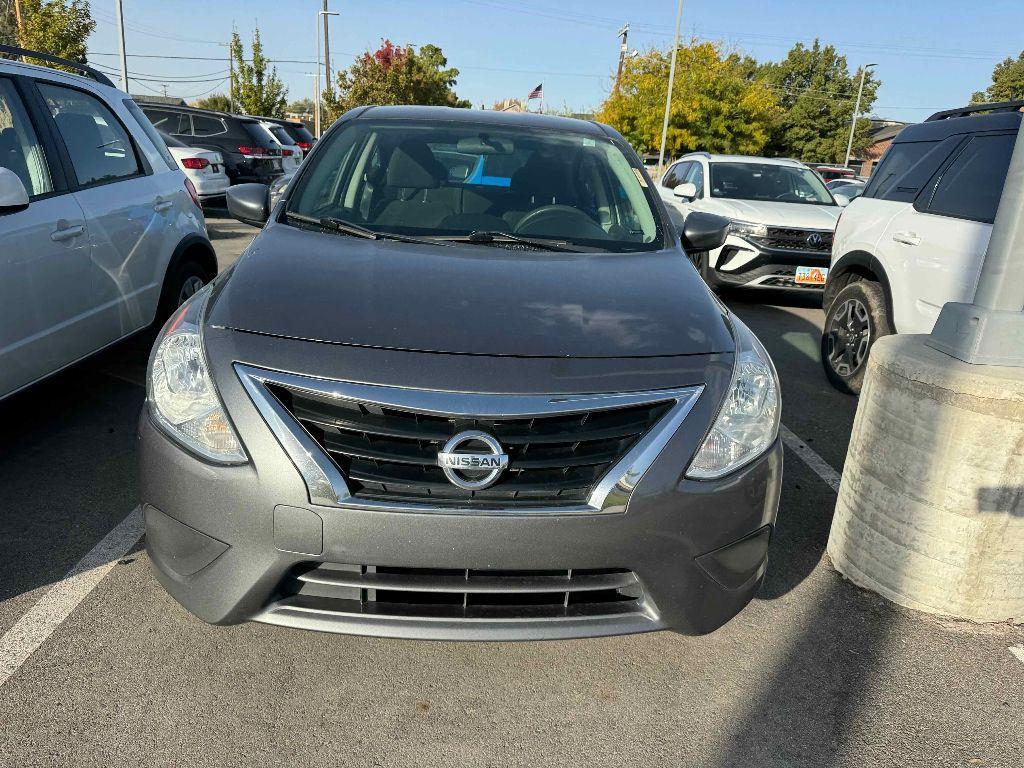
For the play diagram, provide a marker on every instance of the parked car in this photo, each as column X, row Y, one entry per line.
column 205, row 169
column 917, row 236
column 783, row 218
column 832, row 172
column 851, row 189
column 101, row 231
column 297, row 130
column 291, row 153
column 427, row 407
column 250, row 153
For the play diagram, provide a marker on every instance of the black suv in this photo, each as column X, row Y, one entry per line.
column 250, row 153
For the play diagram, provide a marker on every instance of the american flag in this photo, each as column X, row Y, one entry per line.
column 536, row 93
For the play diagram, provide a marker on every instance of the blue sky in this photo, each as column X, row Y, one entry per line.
column 930, row 55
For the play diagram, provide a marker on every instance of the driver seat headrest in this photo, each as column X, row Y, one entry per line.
column 413, row 166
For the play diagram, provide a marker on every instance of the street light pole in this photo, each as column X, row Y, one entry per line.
column 624, row 34
column 317, row 99
column 668, row 96
column 856, row 112
column 124, row 55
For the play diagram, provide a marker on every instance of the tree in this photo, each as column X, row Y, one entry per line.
column 8, row 25
column 817, row 94
column 58, row 27
column 1007, row 82
column 257, row 90
column 394, row 74
column 717, row 105
column 218, row 101
column 302, row 107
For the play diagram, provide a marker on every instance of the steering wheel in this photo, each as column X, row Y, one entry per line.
column 547, row 213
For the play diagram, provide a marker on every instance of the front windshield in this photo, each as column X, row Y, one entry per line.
column 768, row 181
column 450, row 179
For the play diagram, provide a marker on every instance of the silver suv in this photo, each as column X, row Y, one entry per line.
column 101, row 232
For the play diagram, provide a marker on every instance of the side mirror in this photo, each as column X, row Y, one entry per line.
column 13, row 196
column 703, row 232
column 687, row 190
column 841, row 200
column 249, row 203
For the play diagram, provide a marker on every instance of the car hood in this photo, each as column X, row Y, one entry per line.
column 479, row 300
column 800, row 215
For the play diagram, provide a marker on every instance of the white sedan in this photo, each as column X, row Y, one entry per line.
column 204, row 167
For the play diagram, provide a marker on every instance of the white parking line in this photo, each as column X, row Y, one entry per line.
column 32, row 629
column 821, row 467
column 1018, row 651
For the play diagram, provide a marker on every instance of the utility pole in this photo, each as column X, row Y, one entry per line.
column 124, row 55
column 624, row 34
column 856, row 112
column 327, row 47
column 318, row 100
column 17, row 19
column 668, row 95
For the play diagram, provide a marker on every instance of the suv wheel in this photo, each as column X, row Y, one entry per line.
column 188, row 278
column 854, row 321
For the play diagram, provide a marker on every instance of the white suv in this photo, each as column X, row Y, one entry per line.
column 917, row 236
column 782, row 216
column 100, row 233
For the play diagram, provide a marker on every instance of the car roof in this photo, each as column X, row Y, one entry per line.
column 197, row 111
column 35, row 70
column 711, row 158
column 486, row 116
column 937, row 130
column 278, row 120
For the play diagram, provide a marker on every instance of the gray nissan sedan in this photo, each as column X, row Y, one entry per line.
column 465, row 384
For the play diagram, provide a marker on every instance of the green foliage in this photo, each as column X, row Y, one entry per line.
column 58, row 27
column 394, row 75
column 717, row 105
column 218, row 101
column 8, row 25
column 1007, row 82
column 301, row 106
column 257, row 89
column 817, row 94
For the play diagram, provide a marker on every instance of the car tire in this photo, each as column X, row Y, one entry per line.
column 854, row 321
column 185, row 280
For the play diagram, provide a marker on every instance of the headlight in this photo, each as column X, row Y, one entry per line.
column 748, row 423
column 182, row 398
column 747, row 229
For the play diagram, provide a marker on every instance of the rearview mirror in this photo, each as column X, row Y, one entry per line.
column 703, row 232
column 687, row 190
column 249, row 203
column 841, row 200
column 13, row 196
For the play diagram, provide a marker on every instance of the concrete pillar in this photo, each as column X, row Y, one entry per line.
column 931, row 506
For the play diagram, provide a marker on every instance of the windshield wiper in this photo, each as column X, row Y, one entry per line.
column 355, row 230
column 486, row 238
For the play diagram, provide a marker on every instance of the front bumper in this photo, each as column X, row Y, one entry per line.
column 746, row 263
column 224, row 541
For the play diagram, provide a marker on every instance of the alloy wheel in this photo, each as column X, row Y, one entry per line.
column 849, row 337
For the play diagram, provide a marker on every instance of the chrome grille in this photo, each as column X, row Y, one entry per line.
column 796, row 239
column 387, row 453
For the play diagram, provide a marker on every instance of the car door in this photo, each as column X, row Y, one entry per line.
column 939, row 242
column 129, row 217
column 44, row 258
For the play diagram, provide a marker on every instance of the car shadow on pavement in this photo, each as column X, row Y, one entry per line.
column 67, row 465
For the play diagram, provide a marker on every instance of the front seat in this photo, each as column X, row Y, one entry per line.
column 411, row 173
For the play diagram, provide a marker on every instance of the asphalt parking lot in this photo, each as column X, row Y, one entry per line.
column 815, row 672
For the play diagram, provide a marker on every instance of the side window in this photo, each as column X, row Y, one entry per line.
column 972, row 184
column 174, row 123
column 151, row 132
column 898, row 159
column 674, row 176
column 99, row 146
column 696, row 177
column 207, row 126
column 20, row 150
